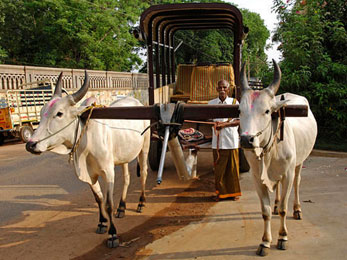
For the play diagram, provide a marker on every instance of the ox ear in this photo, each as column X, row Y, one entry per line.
column 279, row 104
column 277, row 79
column 76, row 110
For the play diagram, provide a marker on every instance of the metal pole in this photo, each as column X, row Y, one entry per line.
column 163, row 153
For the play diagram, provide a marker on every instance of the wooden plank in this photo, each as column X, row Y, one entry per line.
column 145, row 112
column 204, row 112
column 191, row 112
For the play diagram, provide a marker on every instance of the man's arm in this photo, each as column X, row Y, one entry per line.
column 232, row 123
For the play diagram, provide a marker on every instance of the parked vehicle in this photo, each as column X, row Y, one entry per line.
column 20, row 109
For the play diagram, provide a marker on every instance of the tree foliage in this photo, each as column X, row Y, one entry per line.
column 314, row 46
column 70, row 33
column 217, row 45
column 95, row 34
column 253, row 50
column 3, row 54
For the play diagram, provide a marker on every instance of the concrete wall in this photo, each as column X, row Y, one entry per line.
column 106, row 86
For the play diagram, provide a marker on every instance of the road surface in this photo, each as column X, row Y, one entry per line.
column 47, row 213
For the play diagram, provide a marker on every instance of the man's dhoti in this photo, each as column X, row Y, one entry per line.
column 226, row 172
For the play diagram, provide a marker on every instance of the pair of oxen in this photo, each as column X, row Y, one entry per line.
column 98, row 145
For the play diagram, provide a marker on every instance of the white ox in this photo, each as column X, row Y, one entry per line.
column 273, row 161
column 104, row 144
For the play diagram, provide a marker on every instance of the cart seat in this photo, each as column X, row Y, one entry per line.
column 197, row 84
column 184, row 73
column 205, row 78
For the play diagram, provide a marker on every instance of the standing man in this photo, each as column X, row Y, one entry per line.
column 225, row 144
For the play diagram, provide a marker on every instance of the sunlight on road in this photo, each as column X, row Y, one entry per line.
column 45, row 195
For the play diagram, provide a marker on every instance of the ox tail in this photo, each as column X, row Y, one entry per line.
column 138, row 170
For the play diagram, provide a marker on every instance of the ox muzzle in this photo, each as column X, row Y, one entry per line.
column 248, row 141
column 31, row 147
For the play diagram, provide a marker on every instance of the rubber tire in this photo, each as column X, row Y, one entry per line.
column 154, row 154
column 2, row 138
column 25, row 133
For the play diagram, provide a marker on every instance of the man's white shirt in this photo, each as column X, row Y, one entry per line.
column 228, row 136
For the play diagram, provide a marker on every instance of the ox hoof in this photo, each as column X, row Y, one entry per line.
column 120, row 213
column 282, row 244
column 262, row 250
column 297, row 215
column 113, row 242
column 101, row 229
column 139, row 208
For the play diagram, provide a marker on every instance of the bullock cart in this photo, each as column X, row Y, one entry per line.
column 175, row 93
column 175, row 96
column 168, row 112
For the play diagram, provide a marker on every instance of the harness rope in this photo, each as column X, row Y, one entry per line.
column 217, row 131
column 77, row 143
column 56, row 132
column 267, row 149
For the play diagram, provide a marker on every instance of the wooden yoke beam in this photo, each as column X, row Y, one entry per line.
column 190, row 112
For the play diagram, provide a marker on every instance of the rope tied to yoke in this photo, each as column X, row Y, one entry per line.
column 62, row 129
column 274, row 138
column 77, row 141
column 216, row 128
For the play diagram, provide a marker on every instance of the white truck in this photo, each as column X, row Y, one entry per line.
column 20, row 109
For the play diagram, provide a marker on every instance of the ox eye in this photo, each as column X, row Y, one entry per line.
column 59, row 114
column 267, row 111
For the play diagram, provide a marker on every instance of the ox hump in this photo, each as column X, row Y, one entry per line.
column 127, row 101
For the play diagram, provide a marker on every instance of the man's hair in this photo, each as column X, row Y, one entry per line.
column 223, row 80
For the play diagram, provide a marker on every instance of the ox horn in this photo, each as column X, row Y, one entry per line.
column 277, row 78
column 57, row 90
column 244, row 81
column 77, row 96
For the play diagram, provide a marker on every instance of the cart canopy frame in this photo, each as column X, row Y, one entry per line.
column 159, row 23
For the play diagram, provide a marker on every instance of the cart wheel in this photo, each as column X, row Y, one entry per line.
column 2, row 138
column 154, row 154
column 25, row 133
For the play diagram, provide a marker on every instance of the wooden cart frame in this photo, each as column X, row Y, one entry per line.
column 158, row 25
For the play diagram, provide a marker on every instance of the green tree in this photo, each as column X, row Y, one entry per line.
column 71, row 33
column 217, row 45
column 253, row 50
column 2, row 18
column 313, row 41
column 204, row 45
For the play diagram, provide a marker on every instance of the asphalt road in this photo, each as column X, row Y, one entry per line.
column 34, row 187
column 233, row 230
column 47, row 213
column 32, row 182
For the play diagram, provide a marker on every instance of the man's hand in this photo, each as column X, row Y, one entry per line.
column 220, row 125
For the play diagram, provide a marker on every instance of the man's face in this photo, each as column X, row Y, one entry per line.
column 223, row 90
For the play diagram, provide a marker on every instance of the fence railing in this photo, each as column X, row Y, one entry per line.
column 12, row 76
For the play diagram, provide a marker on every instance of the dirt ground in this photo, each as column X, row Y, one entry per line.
column 58, row 215
column 64, row 227
column 189, row 205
